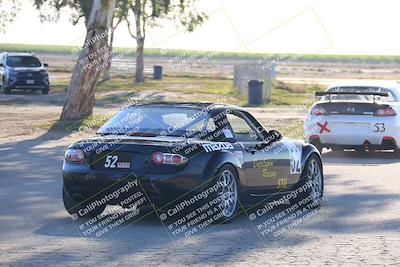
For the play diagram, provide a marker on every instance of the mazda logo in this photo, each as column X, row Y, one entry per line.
column 351, row 109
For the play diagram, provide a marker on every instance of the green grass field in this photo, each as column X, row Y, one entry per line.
column 217, row 55
column 198, row 89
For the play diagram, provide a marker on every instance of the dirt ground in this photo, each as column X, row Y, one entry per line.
column 356, row 225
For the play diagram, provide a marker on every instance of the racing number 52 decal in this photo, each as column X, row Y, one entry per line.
column 111, row 161
column 295, row 158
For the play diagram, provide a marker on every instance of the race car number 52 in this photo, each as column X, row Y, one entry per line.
column 379, row 127
column 111, row 161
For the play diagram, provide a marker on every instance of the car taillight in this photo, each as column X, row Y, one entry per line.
column 74, row 155
column 318, row 111
column 160, row 158
column 385, row 112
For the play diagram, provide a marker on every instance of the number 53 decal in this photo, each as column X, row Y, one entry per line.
column 379, row 127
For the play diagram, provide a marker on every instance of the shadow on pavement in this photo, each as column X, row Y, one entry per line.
column 360, row 158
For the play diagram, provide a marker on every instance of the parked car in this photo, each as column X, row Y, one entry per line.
column 181, row 149
column 360, row 115
column 24, row 71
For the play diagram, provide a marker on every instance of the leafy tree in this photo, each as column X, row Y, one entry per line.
column 8, row 11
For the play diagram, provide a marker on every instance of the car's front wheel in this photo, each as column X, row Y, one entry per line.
column 312, row 182
column 227, row 193
column 45, row 91
column 4, row 88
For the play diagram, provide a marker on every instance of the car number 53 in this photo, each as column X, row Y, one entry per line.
column 379, row 127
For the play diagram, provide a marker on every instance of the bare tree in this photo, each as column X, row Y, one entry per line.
column 152, row 13
column 93, row 56
column 115, row 22
column 80, row 97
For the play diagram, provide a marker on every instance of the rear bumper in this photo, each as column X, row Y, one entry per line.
column 387, row 143
column 354, row 131
column 159, row 189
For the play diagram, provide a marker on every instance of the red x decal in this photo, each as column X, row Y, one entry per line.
column 324, row 127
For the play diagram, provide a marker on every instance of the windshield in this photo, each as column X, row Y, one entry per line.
column 23, row 61
column 159, row 120
column 360, row 98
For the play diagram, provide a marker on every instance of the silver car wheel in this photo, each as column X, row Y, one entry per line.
column 227, row 193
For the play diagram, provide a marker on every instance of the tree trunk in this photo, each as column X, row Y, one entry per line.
column 106, row 72
column 139, row 77
column 92, row 60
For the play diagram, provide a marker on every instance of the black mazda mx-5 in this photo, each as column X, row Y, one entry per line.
column 173, row 151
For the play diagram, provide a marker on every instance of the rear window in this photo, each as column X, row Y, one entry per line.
column 23, row 61
column 360, row 98
column 159, row 120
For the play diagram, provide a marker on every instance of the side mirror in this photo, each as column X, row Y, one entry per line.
column 1, row 65
column 45, row 65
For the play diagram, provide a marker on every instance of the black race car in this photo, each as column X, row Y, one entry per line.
column 182, row 154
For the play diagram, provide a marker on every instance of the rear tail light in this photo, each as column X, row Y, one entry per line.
column 74, row 155
column 313, row 137
column 386, row 112
column 160, row 158
column 318, row 111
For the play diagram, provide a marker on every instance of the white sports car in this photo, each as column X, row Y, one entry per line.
column 360, row 115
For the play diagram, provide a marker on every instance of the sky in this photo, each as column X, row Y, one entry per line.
column 284, row 26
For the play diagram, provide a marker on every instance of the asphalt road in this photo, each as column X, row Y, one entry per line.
column 358, row 222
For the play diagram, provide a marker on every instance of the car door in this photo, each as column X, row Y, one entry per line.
column 260, row 165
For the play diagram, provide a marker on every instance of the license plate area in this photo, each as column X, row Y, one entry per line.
column 112, row 161
column 30, row 81
column 354, row 127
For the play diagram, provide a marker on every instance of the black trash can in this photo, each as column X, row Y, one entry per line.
column 255, row 92
column 157, row 72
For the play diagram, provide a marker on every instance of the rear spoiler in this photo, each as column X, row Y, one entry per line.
column 351, row 93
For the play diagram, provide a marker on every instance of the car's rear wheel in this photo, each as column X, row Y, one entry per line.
column 312, row 181
column 227, row 193
column 73, row 207
column 45, row 91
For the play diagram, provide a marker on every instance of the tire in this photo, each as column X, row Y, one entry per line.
column 314, row 186
column 228, row 192
column 4, row 88
column 73, row 207
column 45, row 91
column 318, row 145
